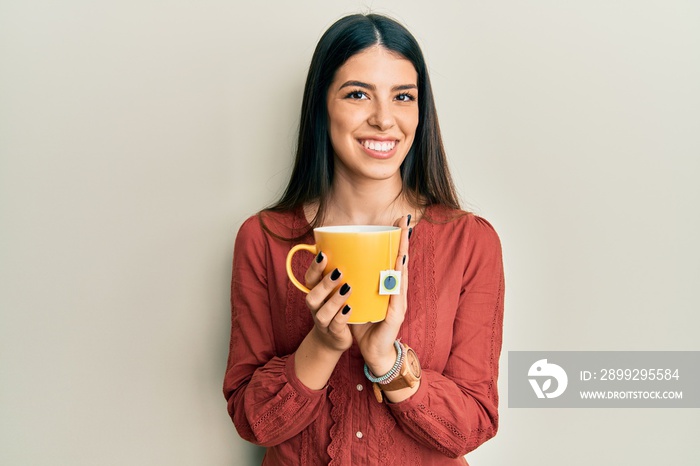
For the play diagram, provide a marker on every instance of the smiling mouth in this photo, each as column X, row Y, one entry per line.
column 378, row 146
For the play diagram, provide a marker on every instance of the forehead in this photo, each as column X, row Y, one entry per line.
column 377, row 65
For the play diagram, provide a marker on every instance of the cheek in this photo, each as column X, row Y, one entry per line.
column 341, row 123
column 338, row 132
column 339, row 137
column 409, row 124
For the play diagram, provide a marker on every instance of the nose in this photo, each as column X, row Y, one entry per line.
column 381, row 117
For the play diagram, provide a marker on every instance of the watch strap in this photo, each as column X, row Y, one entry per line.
column 409, row 375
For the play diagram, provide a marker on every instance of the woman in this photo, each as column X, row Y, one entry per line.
column 299, row 378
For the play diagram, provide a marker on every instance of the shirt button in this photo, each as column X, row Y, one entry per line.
column 360, row 387
column 358, row 434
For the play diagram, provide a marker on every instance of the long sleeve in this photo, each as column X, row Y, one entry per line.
column 266, row 401
column 456, row 410
column 453, row 322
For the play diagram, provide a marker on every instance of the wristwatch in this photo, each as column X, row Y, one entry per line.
column 409, row 375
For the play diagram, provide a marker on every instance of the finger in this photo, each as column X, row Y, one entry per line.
column 314, row 273
column 335, row 304
column 398, row 303
column 339, row 323
column 403, row 222
column 320, row 292
column 402, row 258
column 404, row 276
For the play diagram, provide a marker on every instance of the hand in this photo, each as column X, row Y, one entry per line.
column 330, row 323
column 376, row 340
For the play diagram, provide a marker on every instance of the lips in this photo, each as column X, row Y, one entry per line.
column 377, row 145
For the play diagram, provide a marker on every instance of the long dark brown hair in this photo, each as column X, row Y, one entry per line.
column 424, row 172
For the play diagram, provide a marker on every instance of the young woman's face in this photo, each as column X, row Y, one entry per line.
column 373, row 114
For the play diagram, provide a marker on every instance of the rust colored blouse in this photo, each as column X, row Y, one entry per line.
column 454, row 323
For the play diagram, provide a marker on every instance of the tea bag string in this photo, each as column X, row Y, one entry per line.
column 389, row 252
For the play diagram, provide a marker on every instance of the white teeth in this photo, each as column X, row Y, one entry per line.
column 379, row 146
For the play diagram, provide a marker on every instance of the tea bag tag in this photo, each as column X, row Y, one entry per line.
column 389, row 282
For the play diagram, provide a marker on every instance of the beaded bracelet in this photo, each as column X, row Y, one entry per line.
column 398, row 371
column 393, row 372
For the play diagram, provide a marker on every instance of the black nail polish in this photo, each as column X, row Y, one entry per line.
column 335, row 274
column 410, row 231
column 404, row 260
column 344, row 289
column 346, row 309
column 408, row 222
column 319, row 258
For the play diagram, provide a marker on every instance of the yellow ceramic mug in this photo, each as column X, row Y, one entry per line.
column 366, row 255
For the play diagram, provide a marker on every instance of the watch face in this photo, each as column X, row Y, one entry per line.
column 413, row 364
column 409, row 374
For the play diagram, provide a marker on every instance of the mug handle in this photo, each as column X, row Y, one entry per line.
column 306, row 247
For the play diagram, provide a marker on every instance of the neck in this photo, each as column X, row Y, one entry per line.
column 370, row 202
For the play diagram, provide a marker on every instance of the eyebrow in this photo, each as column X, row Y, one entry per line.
column 372, row 87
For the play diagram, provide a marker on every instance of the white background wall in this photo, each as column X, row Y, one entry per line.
column 136, row 136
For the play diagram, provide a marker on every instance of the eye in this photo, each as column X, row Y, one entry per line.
column 406, row 97
column 356, row 95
